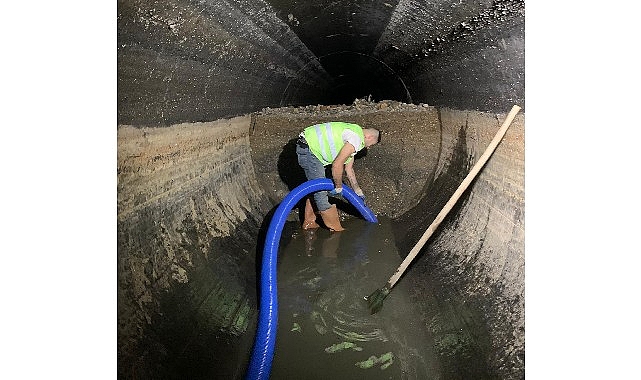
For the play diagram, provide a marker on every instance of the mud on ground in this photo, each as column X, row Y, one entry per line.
column 393, row 174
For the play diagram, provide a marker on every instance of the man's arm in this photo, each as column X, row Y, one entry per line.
column 351, row 176
column 338, row 165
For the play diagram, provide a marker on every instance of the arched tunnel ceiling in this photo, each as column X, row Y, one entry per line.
column 365, row 46
column 184, row 60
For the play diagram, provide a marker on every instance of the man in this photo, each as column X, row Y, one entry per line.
column 334, row 143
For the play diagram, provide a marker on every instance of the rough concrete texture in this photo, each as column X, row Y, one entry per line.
column 181, row 60
column 395, row 171
column 479, row 249
column 198, row 61
column 183, row 191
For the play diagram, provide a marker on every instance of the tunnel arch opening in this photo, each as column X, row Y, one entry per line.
column 356, row 75
column 359, row 75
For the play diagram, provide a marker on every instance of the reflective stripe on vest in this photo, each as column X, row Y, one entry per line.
column 330, row 140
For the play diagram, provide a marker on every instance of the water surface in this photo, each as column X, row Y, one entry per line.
column 325, row 330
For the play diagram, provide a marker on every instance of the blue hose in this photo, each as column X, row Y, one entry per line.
column 263, row 352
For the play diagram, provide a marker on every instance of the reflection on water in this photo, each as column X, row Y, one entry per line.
column 325, row 329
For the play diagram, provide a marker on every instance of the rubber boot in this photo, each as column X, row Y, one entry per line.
column 331, row 219
column 310, row 216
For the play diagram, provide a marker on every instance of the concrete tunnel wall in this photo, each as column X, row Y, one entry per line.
column 192, row 195
column 182, row 60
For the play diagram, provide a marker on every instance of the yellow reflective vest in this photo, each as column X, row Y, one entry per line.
column 325, row 140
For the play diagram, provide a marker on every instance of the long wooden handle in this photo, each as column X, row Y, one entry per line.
column 457, row 194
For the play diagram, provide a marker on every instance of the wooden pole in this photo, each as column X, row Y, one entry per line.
column 454, row 198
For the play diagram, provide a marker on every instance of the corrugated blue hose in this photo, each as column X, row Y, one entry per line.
column 260, row 363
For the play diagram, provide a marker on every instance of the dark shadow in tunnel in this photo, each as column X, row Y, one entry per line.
column 286, row 237
column 291, row 173
column 355, row 75
column 198, row 330
column 439, row 292
column 409, row 227
column 361, row 153
column 289, row 170
column 260, row 246
column 358, row 75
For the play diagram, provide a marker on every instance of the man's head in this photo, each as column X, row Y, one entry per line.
column 372, row 136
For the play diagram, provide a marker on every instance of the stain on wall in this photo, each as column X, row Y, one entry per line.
column 182, row 61
column 188, row 203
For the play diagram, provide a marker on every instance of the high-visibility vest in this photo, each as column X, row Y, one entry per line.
column 325, row 140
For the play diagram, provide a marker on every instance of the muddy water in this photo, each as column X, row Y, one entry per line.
column 325, row 330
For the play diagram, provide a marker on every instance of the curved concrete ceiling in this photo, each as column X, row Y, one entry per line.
column 181, row 60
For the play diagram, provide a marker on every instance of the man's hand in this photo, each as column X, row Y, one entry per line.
column 360, row 193
column 338, row 165
column 337, row 192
